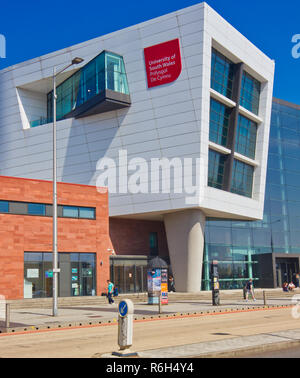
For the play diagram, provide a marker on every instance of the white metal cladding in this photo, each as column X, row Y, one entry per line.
column 166, row 121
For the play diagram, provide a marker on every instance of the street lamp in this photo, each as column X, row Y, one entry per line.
column 55, row 256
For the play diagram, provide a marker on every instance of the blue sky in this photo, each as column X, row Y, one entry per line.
column 36, row 27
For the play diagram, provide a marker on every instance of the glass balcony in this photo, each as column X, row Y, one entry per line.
column 100, row 86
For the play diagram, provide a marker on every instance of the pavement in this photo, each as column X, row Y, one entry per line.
column 229, row 348
column 228, row 344
column 25, row 319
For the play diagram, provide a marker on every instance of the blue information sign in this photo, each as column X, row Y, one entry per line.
column 123, row 308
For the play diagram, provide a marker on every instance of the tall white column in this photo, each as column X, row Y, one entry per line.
column 185, row 235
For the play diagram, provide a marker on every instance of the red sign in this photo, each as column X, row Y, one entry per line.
column 163, row 63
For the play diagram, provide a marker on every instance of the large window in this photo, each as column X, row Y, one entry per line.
column 216, row 163
column 246, row 137
column 242, row 179
column 77, row 276
column 250, row 92
column 221, row 74
column 105, row 72
column 219, row 123
column 41, row 209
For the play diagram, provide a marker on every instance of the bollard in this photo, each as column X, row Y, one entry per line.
column 159, row 305
column 7, row 316
column 125, row 329
column 265, row 298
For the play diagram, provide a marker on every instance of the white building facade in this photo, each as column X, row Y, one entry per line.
column 174, row 111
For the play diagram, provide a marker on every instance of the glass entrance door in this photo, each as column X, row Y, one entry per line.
column 286, row 270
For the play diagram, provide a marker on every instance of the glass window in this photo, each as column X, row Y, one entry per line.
column 274, row 177
column 276, row 192
column 277, row 207
column 292, row 194
column 262, row 237
column 246, row 137
column 290, row 149
column 4, row 207
column 87, row 277
column 18, row 207
column 115, row 74
column 221, row 74
column 250, row 93
column 225, row 270
column 221, row 235
column 153, row 243
column 219, row 252
column 219, row 123
column 33, row 275
column 36, row 209
column 106, row 71
column 291, row 164
column 292, row 179
column 294, row 209
column 274, row 161
column 70, row 211
column 78, row 272
column 289, row 135
column 216, row 164
column 87, row 212
column 241, row 237
column 242, row 179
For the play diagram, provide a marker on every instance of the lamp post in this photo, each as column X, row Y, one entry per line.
column 55, row 256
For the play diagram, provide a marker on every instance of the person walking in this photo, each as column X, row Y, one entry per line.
column 110, row 290
column 171, row 284
column 250, row 290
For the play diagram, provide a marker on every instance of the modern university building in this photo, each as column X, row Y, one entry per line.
column 173, row 115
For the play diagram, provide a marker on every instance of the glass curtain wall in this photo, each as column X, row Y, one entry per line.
column 237, row 245
column 222, row 124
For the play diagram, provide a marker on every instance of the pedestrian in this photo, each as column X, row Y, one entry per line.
column 297, row 280
column 250, row 290
column 171, row 284
column 110, row 290
column 285, row 287
column 291, row 286
column 116, row 291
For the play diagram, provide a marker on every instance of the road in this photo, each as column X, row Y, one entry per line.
column 155, row 334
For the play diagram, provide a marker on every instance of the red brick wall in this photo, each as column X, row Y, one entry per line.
column 131, row 237
column 20, row 233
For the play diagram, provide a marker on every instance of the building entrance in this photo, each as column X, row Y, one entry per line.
column 129, row 274
column 286, row 269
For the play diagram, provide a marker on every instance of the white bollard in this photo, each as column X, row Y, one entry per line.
column 125, row 329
